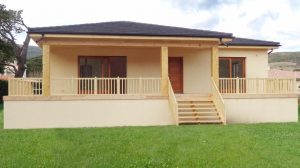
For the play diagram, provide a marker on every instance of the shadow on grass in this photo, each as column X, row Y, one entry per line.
column 1, row 116
column 299, row 112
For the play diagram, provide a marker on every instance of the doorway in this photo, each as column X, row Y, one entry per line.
column 233, row 67
column 176, row 74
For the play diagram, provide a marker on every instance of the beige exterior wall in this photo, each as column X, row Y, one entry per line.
column 256, row 60
column 134, row 112
column 196, row 69
column 145, row 62
column 86, row 113
column 141, row 62
column 261, row 110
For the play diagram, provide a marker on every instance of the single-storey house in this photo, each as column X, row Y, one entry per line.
column 136, row 74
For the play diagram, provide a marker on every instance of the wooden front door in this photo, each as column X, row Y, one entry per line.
column 176, row 73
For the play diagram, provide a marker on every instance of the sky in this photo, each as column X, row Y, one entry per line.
column 273, row 20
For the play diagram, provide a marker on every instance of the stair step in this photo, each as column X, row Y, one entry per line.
column 193, row 97
column 204, row 112
column 198, row 104
column 194, row 100
column 198, row 113
column 197, row 108
column 199, row 117
column 201, row 122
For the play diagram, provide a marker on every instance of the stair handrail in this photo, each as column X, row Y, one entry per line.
column 172, row 102
column 218, row 101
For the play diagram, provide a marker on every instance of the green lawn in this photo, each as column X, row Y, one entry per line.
column 256, row 145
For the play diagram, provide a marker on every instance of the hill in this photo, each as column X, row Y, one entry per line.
column 288, row 61
column 285, row 57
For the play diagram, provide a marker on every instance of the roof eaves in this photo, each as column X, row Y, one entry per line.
column 266, row 45
column 132, row 34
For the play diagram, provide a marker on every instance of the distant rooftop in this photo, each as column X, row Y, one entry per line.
column 127, row 28
column 277, row 73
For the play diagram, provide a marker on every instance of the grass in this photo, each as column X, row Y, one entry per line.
column 256, row 145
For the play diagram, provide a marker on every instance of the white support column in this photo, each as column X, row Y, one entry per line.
column 215, row 64
column 164, row 70
column 46, row 70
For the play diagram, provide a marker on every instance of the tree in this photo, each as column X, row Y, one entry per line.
column 6, row 54
column 11, row 24
column 35, row 66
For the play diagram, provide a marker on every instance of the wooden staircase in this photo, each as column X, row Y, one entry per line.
column 197, row 109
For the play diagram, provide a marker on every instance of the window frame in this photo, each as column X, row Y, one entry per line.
column 230, row 59
column 101, row 57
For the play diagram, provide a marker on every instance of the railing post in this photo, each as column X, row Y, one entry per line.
column 257, row 85
column 72, row 85
column 118, row 85
column 294, row 86
column 95, row 85
column 9, row 86
column 237, row 83
column 277, row 86
column 140, row 86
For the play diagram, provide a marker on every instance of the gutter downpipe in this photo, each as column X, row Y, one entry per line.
column 40, row 39
column 270, row 51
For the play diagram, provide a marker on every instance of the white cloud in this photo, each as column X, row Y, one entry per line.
column 262, row 19
column 275, row 21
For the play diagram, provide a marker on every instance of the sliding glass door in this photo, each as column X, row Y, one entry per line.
column 102, row 67
column 232, row 67
column 108, row 68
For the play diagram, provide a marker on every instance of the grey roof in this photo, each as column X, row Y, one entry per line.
column 237, row 41
column 143, row 29
column 128, row 28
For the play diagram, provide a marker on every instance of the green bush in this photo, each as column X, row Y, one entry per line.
column 3, row 89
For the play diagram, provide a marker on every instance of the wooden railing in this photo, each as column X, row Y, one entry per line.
column 257, row 85
column 172, row 102
column 107, row 86
column 86, row 86
column 218, row 101
column 25, row 86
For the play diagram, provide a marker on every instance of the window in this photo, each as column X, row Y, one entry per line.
column 102, row 67
column 231, row 67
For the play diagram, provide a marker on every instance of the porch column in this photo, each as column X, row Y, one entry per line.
column 215, row 64
column 46, row 70
column 164, row 70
